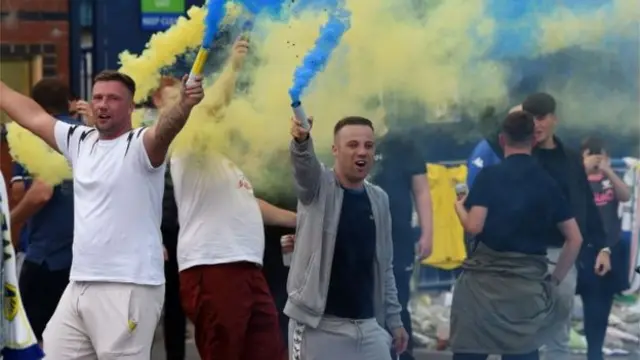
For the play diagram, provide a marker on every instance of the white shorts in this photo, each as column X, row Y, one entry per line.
column 97, row 320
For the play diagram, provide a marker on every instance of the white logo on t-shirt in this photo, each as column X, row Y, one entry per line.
column 478, row 162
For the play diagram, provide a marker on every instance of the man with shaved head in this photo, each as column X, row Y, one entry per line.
column 342, row 290
column 113, row 302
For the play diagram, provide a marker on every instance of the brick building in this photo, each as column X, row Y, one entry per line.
column 34, row 43
column 36, row 30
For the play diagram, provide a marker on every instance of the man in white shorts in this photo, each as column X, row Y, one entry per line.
column 113, row 302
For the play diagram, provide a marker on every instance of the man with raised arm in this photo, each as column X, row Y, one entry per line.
column 342, row 290
column 221, row 244
column 112, row 304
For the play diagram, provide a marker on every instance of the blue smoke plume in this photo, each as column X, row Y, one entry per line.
column 258, row 6
column 317, row 58
column 215, row 14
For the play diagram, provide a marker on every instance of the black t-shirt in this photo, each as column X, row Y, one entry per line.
column 351, row 284
column 607, row 203
column 397, row 162
column 524, row 204
column 554, row 161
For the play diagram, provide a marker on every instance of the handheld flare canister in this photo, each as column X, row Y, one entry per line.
column 300, row 115
column 198, row 65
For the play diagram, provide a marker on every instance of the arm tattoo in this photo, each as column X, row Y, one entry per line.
column 170, row 123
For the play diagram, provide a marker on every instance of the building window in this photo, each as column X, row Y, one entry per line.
column 86, row 13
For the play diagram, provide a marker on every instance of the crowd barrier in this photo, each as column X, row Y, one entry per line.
column 439, row 273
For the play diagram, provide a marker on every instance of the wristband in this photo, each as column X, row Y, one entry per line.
column 606, row 250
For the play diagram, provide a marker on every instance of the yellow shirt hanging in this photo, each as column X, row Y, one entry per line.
column 449, row 249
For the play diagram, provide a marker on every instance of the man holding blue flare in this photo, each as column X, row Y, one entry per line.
column 342, row 290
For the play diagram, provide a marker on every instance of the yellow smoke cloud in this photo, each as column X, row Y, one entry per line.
column 587, row 99
column 564, row 29
column 432, row 59
column 36, row 156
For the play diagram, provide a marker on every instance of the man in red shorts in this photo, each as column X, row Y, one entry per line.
column 220, row 250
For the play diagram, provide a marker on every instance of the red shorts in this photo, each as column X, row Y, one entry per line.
column 234, row 315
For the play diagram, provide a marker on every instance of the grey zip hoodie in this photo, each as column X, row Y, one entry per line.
column 319, row 203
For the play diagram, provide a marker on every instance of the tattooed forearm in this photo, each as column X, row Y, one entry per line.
column 170, row 123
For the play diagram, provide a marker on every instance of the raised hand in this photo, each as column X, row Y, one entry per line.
column 191, row 93
column 298, row 131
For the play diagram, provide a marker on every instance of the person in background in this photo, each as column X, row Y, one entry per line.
column 19, row 184
column 48, row 214
column 73, row 104
column 486, row 153
column 401, row 173
column 597, row 292
column 566, row 168
column 505, row 302
column 342, row 291
column 85, row 112
column 174, row 321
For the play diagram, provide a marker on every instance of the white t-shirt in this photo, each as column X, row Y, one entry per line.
column 220, row 220
column 117, row 207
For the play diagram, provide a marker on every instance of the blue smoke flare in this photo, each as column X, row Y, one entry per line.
column 215, row 14
column 317, row 58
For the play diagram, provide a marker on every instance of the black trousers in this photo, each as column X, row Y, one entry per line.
column 41, row 289
column 174, row 322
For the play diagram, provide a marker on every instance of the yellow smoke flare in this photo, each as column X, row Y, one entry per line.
column 36, row 156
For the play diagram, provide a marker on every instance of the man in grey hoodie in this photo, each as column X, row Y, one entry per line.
column 342, row 291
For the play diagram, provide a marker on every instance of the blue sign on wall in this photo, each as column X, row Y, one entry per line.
column 158, row 15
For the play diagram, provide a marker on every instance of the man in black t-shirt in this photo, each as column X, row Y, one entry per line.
column 506, row 302
column 401, row 172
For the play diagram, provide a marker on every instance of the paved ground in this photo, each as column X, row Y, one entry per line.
column 192, row 354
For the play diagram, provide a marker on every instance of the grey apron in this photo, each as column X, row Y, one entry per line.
column 504, row 303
